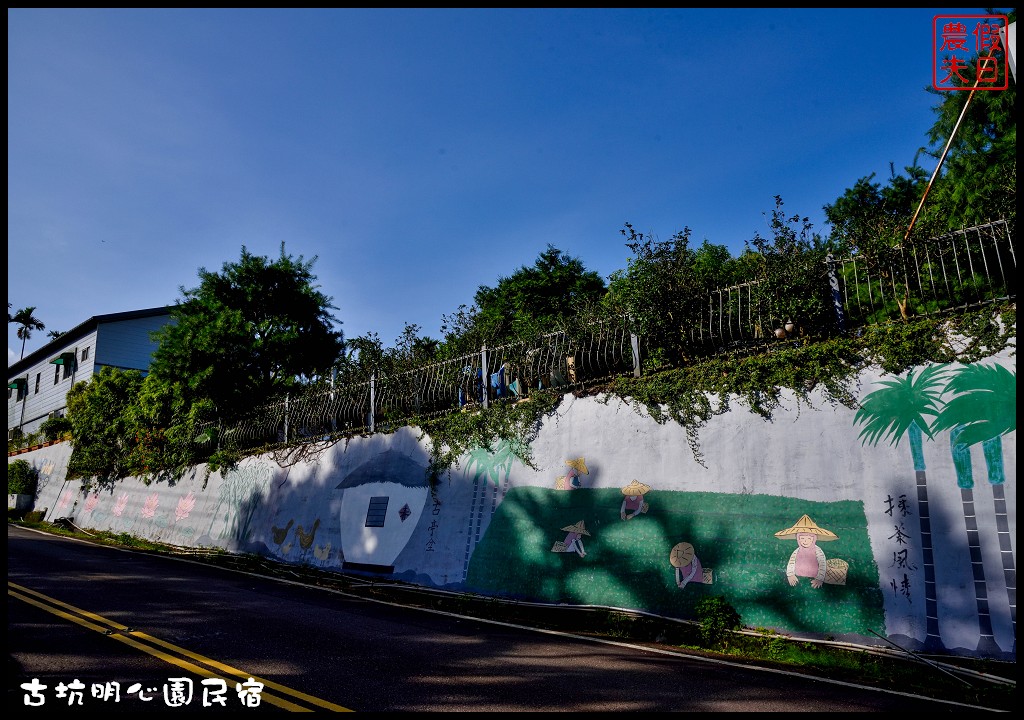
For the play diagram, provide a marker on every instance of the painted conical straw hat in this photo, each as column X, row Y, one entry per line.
column 636, row 488
column 577, row 528
column 805, row 525
column 681, row 555
column 578, row 465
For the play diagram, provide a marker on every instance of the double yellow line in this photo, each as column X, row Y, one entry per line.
column 171, row 653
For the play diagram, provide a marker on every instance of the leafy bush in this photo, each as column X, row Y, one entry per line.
column 55, row 428
column 716, row 616
column 21, row 478
column 35, row 516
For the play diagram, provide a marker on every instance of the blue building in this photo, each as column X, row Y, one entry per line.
column 38, row 384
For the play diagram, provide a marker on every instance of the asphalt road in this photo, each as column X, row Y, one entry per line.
column 86, row 621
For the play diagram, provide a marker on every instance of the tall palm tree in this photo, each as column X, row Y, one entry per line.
column 983, row 410
column 28, row 324
column 897, row 409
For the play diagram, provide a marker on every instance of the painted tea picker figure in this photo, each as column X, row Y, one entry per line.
column 573, row 540
column 633, row 503
column 808, row 560
column 571, row 480
column 688, row 569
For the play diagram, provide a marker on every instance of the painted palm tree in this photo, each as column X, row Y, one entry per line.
column 897, row 409
column 28, row 323
column 482, row 464
column 983, row 409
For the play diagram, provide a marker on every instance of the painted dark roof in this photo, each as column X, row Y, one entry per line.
column 81, row 331
column 389, row 466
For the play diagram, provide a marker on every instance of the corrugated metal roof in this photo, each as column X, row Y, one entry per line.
column 81, row 330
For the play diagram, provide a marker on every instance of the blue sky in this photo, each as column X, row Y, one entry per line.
column 419, row 154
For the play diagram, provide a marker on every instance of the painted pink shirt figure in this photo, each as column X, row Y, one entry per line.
column 632, row 505
column 574, row 543
column 808, row 560
column 573, row 540
column 690, row 573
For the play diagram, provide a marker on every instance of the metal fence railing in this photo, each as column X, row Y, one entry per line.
column 960, row 270
column 506, row 373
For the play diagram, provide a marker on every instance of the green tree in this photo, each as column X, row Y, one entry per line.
column 792, row 276
column 22, row 478
column 983, row 409
column 532, row 300
column 103, row 433
column 978, row 182
column 27, row 324
column 872, row 219
column 252, row 332
column 665, row 288
column 897, row 409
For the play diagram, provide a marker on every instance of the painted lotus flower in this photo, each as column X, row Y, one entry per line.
column 119, row 506
column 92, row 502
column 149, row 509
column 185, row 506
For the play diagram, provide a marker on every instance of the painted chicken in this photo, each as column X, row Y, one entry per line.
column 306, row 538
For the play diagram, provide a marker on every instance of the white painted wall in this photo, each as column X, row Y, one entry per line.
column 809, row 453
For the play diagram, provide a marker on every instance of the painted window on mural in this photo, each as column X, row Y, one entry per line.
column 376, row 512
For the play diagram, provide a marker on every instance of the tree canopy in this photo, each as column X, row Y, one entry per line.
column 664, row 288
column 979, row 177
column 103, row 431
column 532, row 300
column 249, row 333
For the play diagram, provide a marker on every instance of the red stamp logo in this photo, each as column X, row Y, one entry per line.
column 969, row 52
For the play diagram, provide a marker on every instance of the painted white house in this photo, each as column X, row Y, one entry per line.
column 37, row 384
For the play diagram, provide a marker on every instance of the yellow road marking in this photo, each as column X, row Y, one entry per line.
column 131, row 637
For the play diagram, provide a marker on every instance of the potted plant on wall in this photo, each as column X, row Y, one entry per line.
column 56, row 429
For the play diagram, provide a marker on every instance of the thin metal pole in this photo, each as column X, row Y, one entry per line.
column 945, row 150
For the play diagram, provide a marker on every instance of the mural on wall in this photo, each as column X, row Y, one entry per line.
column 687, row 566
column 808, row 560
column 626, row 561
column 185, row 507
column 572, row 480
column 498, row 528
column 897, row 509
column 980, row 411
column 899, row 408
column 120, row 504
column 983, row 409
column 149, row 507
column 634, row 503
column 375, row 497
column 279, row 535
column 305, row 536
column 573, row 541
column 239, row 495
column 322, row 553
column 481, row 465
